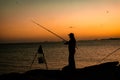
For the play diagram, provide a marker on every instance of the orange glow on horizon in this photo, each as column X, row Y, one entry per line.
column 88, row 20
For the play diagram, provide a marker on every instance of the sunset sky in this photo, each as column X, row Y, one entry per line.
column 87, row 19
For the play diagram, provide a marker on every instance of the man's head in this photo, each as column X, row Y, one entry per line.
column 71, row 35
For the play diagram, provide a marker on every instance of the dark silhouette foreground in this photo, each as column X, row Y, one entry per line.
column 104, row 71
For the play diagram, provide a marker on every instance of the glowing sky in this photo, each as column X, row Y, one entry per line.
column 88, row 19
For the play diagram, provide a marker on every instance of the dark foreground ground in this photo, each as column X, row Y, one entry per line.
column 104, row 71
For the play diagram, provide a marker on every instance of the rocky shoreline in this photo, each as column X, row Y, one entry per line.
column 104, row 71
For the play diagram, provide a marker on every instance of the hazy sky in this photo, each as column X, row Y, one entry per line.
column 88, row 19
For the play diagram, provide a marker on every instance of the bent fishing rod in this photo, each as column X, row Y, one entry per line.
column 49, row 30
column 109, row 54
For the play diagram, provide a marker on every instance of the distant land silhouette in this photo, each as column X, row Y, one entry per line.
column 111, row 39
column 57, row 41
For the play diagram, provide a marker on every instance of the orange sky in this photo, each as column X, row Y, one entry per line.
column 88, row 19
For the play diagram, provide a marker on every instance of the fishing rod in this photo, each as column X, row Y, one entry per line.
column 48, row 30
column 109, row 54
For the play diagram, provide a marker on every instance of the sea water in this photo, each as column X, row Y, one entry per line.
column 19, row 57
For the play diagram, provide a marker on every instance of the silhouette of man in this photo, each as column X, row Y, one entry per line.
column 71, row 47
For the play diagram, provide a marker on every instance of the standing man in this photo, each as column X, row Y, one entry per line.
column 71, row 47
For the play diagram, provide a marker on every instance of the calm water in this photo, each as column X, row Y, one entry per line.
column 18, row 57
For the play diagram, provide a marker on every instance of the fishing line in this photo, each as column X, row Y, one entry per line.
column 48, row 30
